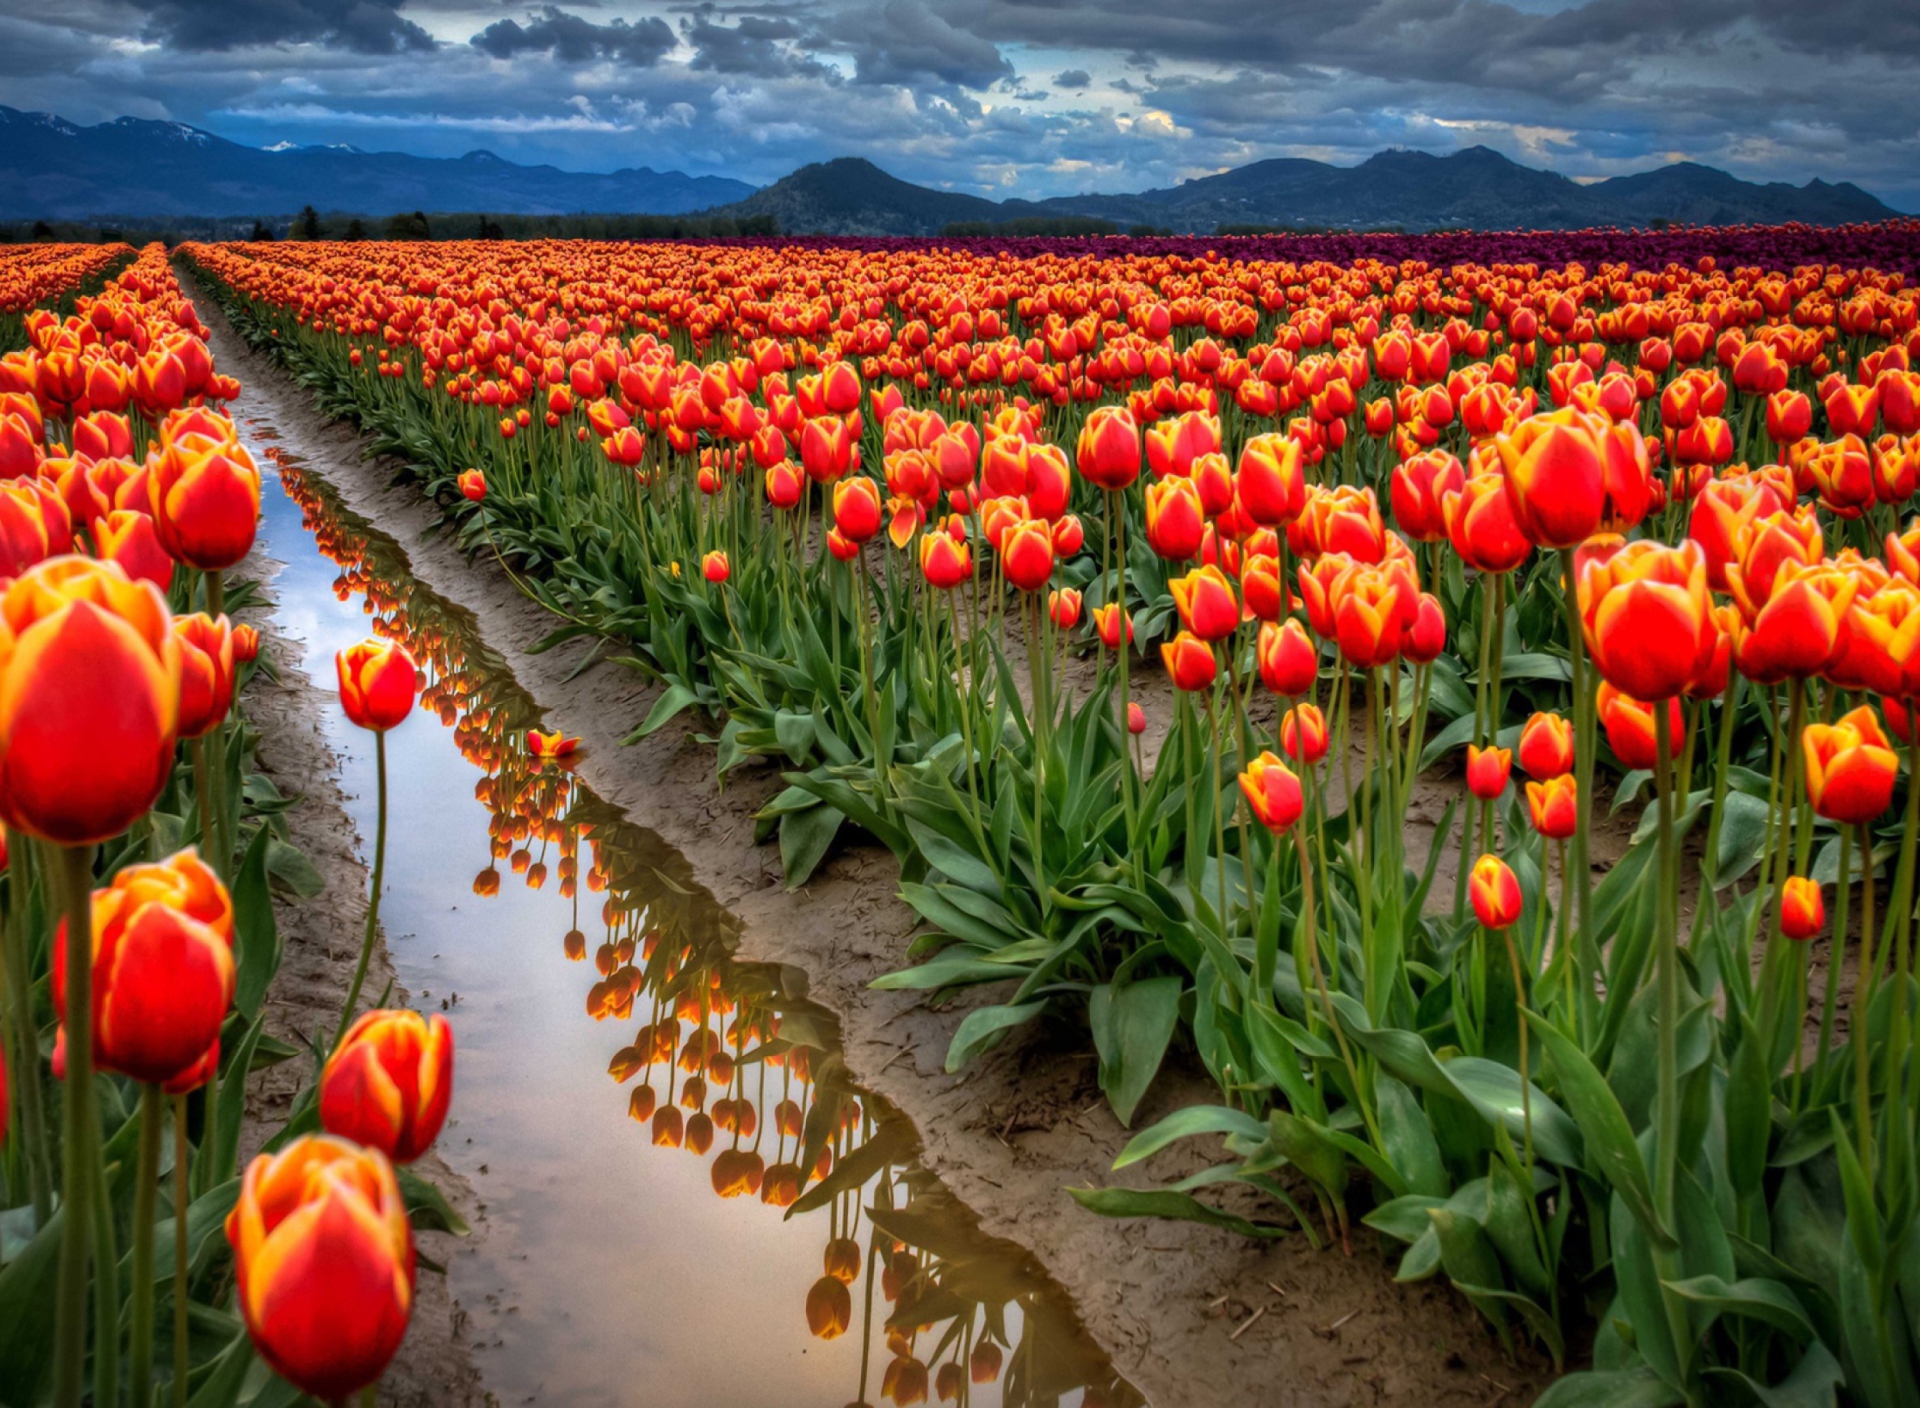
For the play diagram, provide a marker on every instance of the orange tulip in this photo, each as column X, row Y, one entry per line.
column 1206, row 603
column 1262, row 589
column 1272, row 792
column 205, row 492
column 323, row 1257
column 1850, row 770
column 473, row 484
column 1063, row 608
column 1797, row 632
column 829, row 1308
column 1303, row 734
column 1495, row 892
column 128, row 537
column 944, row 561
column 1176, row 520
column 1630, row 726
column 1803, row 913
column 1764, row 547
column 206, row 672
column 857, row 508
column 1272, row 482
column 1482, row 527
column 1488, row 770
column 1289, row 660
column 1026, row 555
column 1646, row 615
column 378, row 681
column 1108, row 623
column 1108, row 453
column 1418, row 492
column 1189, row 661
column 1554, row 806
column 388, row 1083
column 983, row 1365
column 1789, row 417
column 714, row 567
column 1374, row 609
column 89, row 700
column 1546, row 746
column 162, row 967
column 550, row 745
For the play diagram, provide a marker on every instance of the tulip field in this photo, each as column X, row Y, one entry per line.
column 1452, row 693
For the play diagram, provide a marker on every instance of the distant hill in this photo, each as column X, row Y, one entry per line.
column 52, row 169
column 1475, row 189
column 132, row 168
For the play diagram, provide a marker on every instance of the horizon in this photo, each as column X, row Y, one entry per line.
column 283, row 145
column 1000, row 99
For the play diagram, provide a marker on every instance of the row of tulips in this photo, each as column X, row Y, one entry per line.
column 727, row 1064
column 1641, row 519
column 140, row 838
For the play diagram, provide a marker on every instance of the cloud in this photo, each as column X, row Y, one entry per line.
column 574, row 40
column 904, row 42
column 1073, row 79
column 756, row 45
column 361, row 26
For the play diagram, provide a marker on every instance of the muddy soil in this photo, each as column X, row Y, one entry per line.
column 1192, row 1315
column 322, row 938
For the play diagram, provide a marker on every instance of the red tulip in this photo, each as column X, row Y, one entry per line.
column 323, row 1257
column 389, row 1082
column 378, row 682
column 1272, row 792
column 1495, row 892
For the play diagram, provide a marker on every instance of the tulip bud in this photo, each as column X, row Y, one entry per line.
column 1107, row 623
column 1487, row 771
column 1303, row 733
column 388, row 1083
column 1206, row 603
column 1850, row 770
column 323, row 1258
column 1802, row 910
column 1136, row 718
column 714, row 567
column 206, row 672
column 473, row 484
column 1063, row 606
column 205, row 491
column 1495, row 892
column 1272, row 792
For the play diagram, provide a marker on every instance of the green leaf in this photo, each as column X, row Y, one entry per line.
column 206, row 1217
column 1757, row 1299
column 984, row 1027
column 1625, row 1388
column 890, row 1144
column 1494, row 1090
column 256, row 941
column 1743, row 833
column 428, row 1207
column 1161, row 1202
column 1405, row 1218
column 1131, row 1028
column 804, row 839
column 1408, row 1138
column 289, row 867
column 1812, row 1384
column 26, row 1316
column 675, row 698
column 1186, row 1124
column 1610, row 1146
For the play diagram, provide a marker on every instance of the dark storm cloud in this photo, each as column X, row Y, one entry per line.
column 574, row 40
column 756, row 45
column 362, row 26
column 1073, row 79
column 903, row 42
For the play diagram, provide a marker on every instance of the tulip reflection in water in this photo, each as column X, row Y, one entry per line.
column 728, row 1061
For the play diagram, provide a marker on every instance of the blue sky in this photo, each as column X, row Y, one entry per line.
column 1008, row 97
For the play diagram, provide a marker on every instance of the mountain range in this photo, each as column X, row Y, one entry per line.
column 51, row 169
column 137, row 168
column 1476, row 188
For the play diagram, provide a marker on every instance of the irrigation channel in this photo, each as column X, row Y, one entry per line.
column 626, row 1091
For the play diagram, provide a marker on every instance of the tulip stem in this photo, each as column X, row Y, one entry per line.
column 373, row 899
column 1583, row 748
column 180, row 1205
column 70, row 1305
column 26, row 1052
column 1668, row 979
column 1864, row 972
column 145, row 1195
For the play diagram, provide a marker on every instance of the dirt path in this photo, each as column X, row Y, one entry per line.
column 321, row 936
column 1191, row 1315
